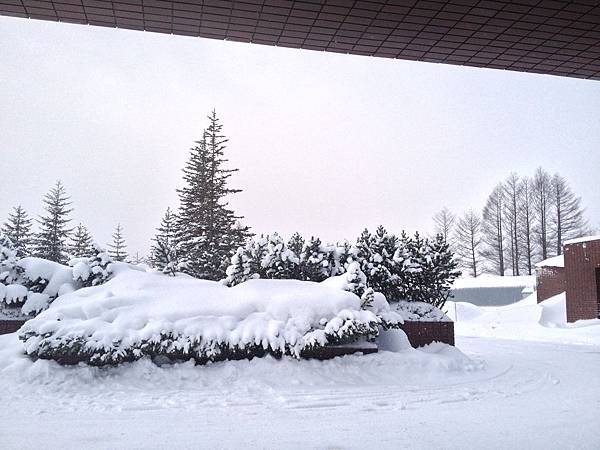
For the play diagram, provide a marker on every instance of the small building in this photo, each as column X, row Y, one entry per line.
column 577, row 273
column 582, row 274
column 492, row 290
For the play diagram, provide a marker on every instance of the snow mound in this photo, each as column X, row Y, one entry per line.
column 525, row 320
column 462, row 310
column 59, row 278
column 554, row 311
column 393, row 341
column 139, row 314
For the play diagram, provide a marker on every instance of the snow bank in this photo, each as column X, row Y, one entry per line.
column 554, row 311
column 525, row 320
column 59, row 278
column 138, row 313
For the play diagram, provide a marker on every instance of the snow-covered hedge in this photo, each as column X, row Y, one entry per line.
column 400, row 267
column 28, row 285
column 139, row 314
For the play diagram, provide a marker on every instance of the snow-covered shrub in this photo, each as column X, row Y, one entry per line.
column 318, row 261
column 278, row 262
column 401, row 268
column 407, row 268
column 93, row 271
column 10, row 272
column 139, row 314
column 354, row 280
column 246, row 263
column 45, row 281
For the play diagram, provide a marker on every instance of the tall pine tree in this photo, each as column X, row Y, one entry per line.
column 208, row 231
column 51, row 240
column 117, row 248
column 18, row 229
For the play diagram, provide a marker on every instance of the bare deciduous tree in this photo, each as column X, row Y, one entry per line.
column 525, row 224
column 512, row 186
column 467, row 238
column 566, row 220
column 542, row 193
column 492, row 230
column 444, row 223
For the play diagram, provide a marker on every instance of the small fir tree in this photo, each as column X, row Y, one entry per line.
column 51, row 240
column 117, row 248
column 18, row 229
column 82, row 244
column 164, row 251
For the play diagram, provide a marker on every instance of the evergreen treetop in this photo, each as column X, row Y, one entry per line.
column 82, row 243
column 117, row 248
column 18, row 229
column 50, row 242
column 208, row 231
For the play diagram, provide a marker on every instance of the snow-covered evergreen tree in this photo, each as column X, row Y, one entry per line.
column 346, row 255
column 247, row 261
column 314, row 264
column 18, row 229
column 279, row 262
column 82, row 244
column 164, row 251
column 208, row 232
column 380, row 265
column 296, row 244
column 117, row 248
column 96, row 270
column 51, row 240
column 356, row 282
column 9, row 270
column 438, row 272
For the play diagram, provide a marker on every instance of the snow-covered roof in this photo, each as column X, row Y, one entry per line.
column 583, row 239
column 555, row 261
column 493, row 281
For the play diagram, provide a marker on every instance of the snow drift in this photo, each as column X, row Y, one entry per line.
column 139, row 314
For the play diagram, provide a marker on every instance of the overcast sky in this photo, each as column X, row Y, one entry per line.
column 326, row 144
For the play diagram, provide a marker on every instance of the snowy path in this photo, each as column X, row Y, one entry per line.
column 525, row 395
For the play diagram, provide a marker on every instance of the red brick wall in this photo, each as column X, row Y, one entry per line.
column 10, row 326
column 423, row 333
column 581, row 261
column 550, row 281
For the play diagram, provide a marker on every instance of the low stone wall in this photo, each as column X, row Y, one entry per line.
column 423, row 333
column 10, row 326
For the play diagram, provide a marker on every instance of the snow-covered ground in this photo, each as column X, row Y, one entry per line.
column 504, row 388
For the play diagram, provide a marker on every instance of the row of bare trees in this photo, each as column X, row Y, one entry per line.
column 525, row 220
